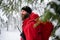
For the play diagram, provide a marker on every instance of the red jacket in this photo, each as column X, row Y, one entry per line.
column 38, row 33
column 46, row 30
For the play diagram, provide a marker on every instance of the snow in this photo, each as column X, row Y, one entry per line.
column 57, row 33
column 55, row 22
column 56, row 1
column 14, row 34
column 50, row 38
column 3, row 16
column 10, row 35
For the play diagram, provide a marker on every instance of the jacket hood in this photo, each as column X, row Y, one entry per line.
column 33, row 15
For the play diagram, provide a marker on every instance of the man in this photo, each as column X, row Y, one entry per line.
column 29, row 19
column 33, row 28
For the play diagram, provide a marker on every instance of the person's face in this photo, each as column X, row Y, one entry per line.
column 24, row 14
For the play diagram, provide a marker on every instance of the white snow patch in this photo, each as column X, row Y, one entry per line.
column 57, row 33
column 10, row 35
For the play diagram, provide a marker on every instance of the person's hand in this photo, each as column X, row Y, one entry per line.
column 38, row 21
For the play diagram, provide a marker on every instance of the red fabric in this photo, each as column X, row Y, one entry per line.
column 31, row 17
column 41, row 32
column 30, row 32
column 46, row 30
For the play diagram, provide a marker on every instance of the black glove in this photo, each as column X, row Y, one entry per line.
column 23, row 36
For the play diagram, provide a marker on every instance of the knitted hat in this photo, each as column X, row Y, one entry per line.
column 27, row 9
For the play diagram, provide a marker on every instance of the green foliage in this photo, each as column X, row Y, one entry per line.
column 14, row 6
column 46, row 16
column 55, row 6
column 10, row 6
column 1, row 1
column 58, row 0
column 42, row 0
column 29, row 1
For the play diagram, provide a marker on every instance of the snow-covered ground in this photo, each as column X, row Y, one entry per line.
column 10, row 35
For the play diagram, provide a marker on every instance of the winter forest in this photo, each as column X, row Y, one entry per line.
column 10, row 17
